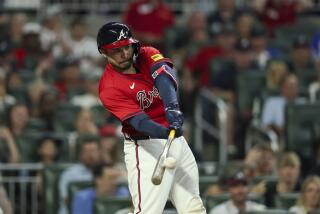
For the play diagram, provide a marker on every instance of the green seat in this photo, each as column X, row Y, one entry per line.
column 301, row 121
column 65, row 117
column 27, row 145
column 111, row 204
column 286, row 200
column 269, row 211
column 51, row 177
column 76, row 186
column 246, row 92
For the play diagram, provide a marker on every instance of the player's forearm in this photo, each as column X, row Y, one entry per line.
column 166, row 90
column 142, row 123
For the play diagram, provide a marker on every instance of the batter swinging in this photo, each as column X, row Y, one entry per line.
column 139, row 87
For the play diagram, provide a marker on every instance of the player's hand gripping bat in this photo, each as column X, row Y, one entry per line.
column 163, row 161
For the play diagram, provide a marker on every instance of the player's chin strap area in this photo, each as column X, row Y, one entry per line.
column 195, row 206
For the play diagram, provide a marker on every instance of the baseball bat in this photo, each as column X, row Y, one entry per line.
column 159, row 168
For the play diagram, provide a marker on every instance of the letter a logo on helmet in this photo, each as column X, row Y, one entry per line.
column 114, row 35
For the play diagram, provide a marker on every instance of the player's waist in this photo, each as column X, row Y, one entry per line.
column 136, row 137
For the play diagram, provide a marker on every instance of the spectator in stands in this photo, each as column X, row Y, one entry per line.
column 148, row 20
column 5, row 205
column 34, row 90
column 188, row 39
column 84, row 123
column 288, row 182
column 18, row 118
column 276, row 70
column 105, row 178
column 233, row 165
column 221, row 45
column 89, row 157
column 223, row 83
column 262, row 52
column 6, row 99
column 90, row 98
column 69, row 78
column 81, row 46
column 274, row 107
column 276, row 13
column 301, row 57
column 9, row 152
column 262, row 159
column 48, row 149
column 47, row 107
column 309, row 199
column 109, row 144
column 238, row 188
column 244, row 24
column 16, row 24
column 6, row 57
column 53, row 32
column 28, row 55
column 226, row 12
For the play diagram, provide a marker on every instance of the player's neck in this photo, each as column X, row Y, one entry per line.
column 130, row 70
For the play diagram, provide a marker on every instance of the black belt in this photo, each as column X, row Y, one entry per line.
column 132, row 138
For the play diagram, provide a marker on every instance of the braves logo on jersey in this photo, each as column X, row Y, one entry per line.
column 145, row 99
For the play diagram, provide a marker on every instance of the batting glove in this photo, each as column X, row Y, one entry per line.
column 175, row 118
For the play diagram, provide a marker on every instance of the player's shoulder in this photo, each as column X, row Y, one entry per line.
column 151, row 52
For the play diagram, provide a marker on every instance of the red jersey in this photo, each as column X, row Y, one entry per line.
column 127, row 95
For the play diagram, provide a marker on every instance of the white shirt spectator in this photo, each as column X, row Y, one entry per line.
column 230, row 208
column 274, row 110
column 77, row 172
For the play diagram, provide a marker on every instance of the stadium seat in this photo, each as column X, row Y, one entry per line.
column 111, row 204
column 247, row 92
column 76, row 186
column 27, row 145
column 51, row 176
column 286, row 200
column 301, row 121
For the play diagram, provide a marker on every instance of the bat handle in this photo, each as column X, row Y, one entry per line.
column 172, row 133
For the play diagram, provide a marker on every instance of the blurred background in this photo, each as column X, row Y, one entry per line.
column 249, row 74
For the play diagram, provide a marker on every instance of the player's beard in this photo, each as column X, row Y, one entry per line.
column 122, row 67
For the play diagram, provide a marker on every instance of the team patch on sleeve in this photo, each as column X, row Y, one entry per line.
column 156, row 57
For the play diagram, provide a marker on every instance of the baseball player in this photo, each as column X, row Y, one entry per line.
column 138, row 87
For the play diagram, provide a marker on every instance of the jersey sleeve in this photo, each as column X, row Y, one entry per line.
column 153, row 56
column 118, row 104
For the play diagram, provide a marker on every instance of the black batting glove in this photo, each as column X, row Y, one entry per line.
column 175, row 118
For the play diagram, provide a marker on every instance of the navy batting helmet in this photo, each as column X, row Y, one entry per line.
column 115, row 35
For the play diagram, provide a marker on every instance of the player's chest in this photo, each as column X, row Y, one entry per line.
column 144, row 93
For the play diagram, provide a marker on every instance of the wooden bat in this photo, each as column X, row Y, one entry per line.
column 159, row 168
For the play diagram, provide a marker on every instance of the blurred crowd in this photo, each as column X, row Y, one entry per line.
column 50, row 111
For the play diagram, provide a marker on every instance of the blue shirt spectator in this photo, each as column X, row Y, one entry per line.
column 89, row 158
column 83, row 201
column 106, row 179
